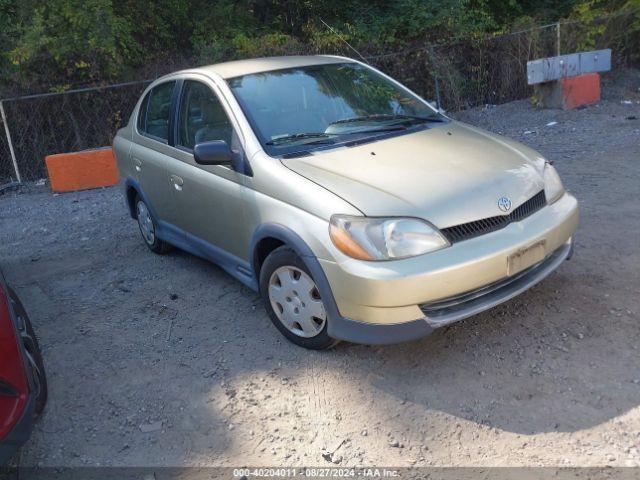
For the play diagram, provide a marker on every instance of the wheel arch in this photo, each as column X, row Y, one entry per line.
column 270, row 236
column 275, row 235
column 261, row 251
column 131, row 194
column 132, row 189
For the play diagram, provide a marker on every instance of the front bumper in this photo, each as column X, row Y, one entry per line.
column 444, row 312
column 451, row 310
column 412, row 297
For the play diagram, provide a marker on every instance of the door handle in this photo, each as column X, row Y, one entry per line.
column 137, row 163
column 177, row 182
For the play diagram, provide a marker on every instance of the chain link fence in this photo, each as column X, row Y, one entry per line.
column 493, row 70
column 460, row 75
column 75, row 120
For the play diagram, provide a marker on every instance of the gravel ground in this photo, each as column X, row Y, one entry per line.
column 167, row 361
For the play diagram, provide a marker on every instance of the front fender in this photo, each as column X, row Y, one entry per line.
column 339, row 327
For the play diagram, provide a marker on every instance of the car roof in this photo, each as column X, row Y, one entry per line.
column 238, row 68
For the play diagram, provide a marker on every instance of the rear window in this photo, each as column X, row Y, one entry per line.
column 153, row 119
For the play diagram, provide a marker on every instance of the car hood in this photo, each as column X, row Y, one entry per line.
column 448, row 174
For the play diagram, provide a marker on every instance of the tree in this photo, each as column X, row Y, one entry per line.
column 72, row 41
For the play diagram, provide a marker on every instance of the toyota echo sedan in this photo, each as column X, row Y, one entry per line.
column 357, row 211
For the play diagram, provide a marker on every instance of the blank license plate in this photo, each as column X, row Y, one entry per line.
column 526, row 257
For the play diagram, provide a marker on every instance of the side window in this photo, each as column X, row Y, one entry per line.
column 202, row 117
column 155, row 110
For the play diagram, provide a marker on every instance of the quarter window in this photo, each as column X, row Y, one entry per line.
column 202, row 117
column 153, row 119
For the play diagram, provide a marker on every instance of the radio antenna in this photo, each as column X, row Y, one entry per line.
column 337, row 34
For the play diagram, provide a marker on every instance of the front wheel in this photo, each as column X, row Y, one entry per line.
column 293, row 300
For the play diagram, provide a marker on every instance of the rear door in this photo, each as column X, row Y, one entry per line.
column 151, row 150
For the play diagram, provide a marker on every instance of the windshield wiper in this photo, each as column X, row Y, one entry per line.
column 323, row 137
column 298, row 136
column 390, row 128
column 384, row 117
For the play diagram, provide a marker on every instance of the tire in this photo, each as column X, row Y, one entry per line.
column 32, row 347
column 147, row 226
column 287, row 285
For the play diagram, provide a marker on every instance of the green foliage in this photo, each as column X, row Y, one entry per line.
column 614, row 24
column 54, row 44
column 67, row 41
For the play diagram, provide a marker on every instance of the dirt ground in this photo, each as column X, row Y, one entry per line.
column 167, row 361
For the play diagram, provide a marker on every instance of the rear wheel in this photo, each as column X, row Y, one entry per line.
column 293, row 300
column 148, row 228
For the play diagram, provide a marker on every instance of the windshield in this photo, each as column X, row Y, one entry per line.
column 301, row 108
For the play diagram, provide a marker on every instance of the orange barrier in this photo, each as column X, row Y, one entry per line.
column 570, row 92
column 82, row 170
column 581, row 90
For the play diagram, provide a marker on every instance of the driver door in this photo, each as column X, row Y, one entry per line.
column 208, row 198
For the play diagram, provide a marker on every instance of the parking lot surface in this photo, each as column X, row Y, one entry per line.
column 167, row 361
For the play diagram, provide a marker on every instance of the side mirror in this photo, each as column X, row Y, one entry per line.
column 216, row 152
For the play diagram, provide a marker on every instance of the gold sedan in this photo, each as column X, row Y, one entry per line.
column 358, row 211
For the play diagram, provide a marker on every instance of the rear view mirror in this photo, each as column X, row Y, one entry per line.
column 216, row 152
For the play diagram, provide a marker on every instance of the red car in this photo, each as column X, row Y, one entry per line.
column 23, row 385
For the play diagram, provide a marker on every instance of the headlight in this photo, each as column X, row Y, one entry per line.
column 553, row 188
column 367, row 238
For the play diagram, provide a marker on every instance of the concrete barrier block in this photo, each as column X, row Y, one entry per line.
column 82, row 170
column 568, row 93
column 582, row 90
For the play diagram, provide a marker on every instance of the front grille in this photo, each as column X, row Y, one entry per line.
column 465, row 231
